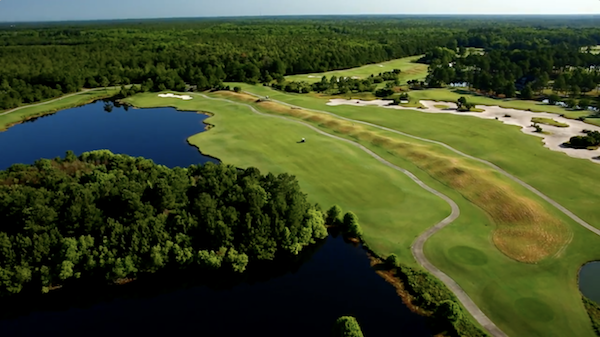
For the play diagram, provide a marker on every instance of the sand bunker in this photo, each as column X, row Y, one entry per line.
column 184, row 97
column 553, row 140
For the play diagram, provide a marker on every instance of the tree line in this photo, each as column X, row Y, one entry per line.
column 107, row 217
column 566, row 69
column 40, row 61
column 343, row 85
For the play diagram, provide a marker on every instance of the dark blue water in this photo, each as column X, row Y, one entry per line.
column 297, row 299
column 158, row 134
column 589, row 281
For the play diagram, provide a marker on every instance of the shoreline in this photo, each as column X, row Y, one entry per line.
column 5, row 127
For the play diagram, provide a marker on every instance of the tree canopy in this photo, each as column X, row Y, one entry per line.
column 40, row 61
column 107, row 216
column 346, row 326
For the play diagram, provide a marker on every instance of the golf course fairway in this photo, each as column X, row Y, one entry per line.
column 523, row 299
column 410, row 71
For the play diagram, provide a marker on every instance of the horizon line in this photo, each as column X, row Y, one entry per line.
column 303, row 15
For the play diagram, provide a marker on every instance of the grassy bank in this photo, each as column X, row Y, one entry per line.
column 549, row 121
column 28, row 112
column 410, row 71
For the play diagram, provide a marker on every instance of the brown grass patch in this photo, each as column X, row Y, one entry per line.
column 238, row 96
column 525, row 230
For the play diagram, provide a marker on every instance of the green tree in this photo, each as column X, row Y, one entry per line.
column 392, row 260
column 584, row 103
column 104, row 82
column 449, row 310
column 527, row 92
column 346, row 326
column 553, row 99
column 351, row 225
column 334, row 215
column 237, row 89
column 560, row 84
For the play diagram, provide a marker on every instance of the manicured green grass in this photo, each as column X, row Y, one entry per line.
column 570, row 181
column 549, row 121
column 66, row 103
column 441, row 106
column 503, row 288
column 393, row 210
column 410, row 71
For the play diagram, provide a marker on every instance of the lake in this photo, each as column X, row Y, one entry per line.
column 302, row 298
column 589, row 281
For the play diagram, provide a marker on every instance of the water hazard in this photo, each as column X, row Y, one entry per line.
column 158, row 134
column 589, row 281
column 288, row 298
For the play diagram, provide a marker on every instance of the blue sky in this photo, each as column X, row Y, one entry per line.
column 36, row 10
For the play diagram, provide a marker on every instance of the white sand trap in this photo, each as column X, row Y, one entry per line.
column 312, row 76
column 554, row 140
column 381, row 65
column 355, row 78
column 184, row 97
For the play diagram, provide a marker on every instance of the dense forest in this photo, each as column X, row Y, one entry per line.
column 566, row 69
column 46, row 60
column 110, row 217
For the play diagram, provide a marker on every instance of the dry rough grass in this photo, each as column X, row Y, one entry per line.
column 238, row 96
column 525, row 231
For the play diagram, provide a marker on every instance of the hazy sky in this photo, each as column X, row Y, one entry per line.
column 34, row 10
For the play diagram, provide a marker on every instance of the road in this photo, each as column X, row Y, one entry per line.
column 417, row 247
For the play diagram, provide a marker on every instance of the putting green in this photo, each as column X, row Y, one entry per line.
column 410, row 71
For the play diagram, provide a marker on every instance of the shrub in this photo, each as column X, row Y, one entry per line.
column 537, row 127
column 553, row 99
column 449, row 310
column 384, row 92
column 334, row 215
column 237, row 89
column 582, row 142
column 346, row 326
column 351, row 226
column 392, row 260
column 594, row 312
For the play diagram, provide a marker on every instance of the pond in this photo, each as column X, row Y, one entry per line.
column 299, row 298
column 158, row 134
column 589, row 281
